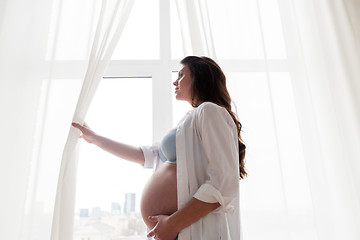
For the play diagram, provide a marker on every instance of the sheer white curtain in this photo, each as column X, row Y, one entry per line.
column 195, row 27
column 23, row 40
column 109, row 28
column 323, row 48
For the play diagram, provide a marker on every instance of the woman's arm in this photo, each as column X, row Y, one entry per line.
column 191, row 212
column 168, row 227
column 127, row 152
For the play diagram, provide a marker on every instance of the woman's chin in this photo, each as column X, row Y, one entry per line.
column 179, row 98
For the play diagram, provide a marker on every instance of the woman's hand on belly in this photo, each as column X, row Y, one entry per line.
column 163, row 229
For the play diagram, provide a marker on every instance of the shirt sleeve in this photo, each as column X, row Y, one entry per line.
column 218, row 136
column 151, row 155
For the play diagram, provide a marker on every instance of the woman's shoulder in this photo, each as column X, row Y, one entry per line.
column 209, row 105
column 210, row 110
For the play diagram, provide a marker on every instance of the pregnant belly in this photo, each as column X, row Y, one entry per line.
column 160, row 194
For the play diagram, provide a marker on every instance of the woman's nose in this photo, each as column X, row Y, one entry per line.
column 175, row 83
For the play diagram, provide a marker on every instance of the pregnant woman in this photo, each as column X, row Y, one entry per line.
column 194, row 190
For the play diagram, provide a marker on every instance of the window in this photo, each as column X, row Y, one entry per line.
column 108, row 186
column 135, row 104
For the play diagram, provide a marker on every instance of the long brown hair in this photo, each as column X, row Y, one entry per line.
column 209, row 85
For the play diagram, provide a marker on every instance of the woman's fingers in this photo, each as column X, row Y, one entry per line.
column 153, row 218
column 78, row 126
column 74, row 124
column 151, row 233
column 87, row 134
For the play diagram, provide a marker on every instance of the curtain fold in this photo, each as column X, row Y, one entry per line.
column 106, row 37
column 195, row 27
column 323, row 50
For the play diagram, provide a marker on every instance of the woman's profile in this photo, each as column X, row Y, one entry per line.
column 194, row 191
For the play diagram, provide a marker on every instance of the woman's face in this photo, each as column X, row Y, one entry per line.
column 183, row 85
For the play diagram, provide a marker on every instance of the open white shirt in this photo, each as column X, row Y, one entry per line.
column 207, row 158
